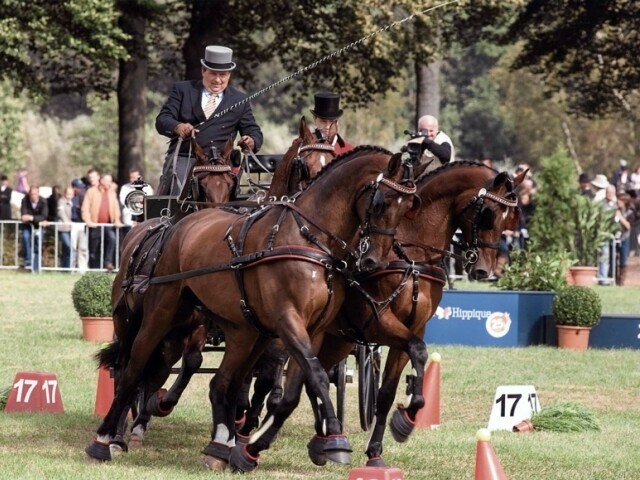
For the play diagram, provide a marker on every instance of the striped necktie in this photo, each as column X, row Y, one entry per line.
column 211, row 105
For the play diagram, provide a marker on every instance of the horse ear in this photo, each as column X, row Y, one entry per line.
column 500, row 178
column 519, row 178
column 227, row 149
column 303, row 128
column 395, row 162
column 419, row 169
column 198, row 152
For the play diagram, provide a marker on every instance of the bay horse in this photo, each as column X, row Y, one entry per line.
column 212, row 182
column 302, row 161
column 349, row 211
column 400, row 299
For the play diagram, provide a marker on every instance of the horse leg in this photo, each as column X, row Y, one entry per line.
column 335, row 444
column 142, row 348
column 224, row 390
column 333, row 350
column 268, row 382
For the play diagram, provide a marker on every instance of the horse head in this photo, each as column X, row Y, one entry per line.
column 214, row 181
column 306, row 156
column 492, row 209
column 384, row 202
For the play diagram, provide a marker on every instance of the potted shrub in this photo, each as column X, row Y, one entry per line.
column 576, row 309
column 566, row 221
column 91, row 296
column 593, row 226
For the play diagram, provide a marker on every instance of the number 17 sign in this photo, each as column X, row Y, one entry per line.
column 35, row 392
column 513, row 404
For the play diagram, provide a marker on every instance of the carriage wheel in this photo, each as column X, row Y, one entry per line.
column 368, row 357
column 340, row 380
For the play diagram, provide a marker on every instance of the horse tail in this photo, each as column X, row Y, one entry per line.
column 108, row 356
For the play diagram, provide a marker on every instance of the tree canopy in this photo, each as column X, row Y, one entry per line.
column 587, row 48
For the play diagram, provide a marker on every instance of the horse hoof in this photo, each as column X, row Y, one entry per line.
column 118, row 445
column 215, row 464
column 135, row 441
column 98, row 451
column 241, row 460
column 376, row 462
column 338, row 449
column 153, row 404
column 316, row 451
column 401, row 425
column 217, row 450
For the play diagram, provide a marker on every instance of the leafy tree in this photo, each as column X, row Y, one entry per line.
column 551, row 228
column 11, row 114
column 587, row 48
column 52, row 47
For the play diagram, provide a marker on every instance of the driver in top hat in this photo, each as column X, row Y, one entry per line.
column 198, row 108
column 326, row 113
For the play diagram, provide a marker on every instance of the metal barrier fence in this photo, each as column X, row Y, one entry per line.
column 58, row 246
column 48, row 246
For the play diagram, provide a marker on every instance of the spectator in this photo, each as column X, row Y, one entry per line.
column 625, row 216
column 52, row 203
column 79, row 238
column 584, row 187
column 5, row 198
column 621, row 177
column 634, row 181
column 33, row 214
column 486, row 159
column 100, row 207
column 609, row 202
column 22, row 185
column 326, row 114
column 128, row 219
column 189, row 111
column 93, row 178
column 437, row 147
column 601, row 183
column 64, row 212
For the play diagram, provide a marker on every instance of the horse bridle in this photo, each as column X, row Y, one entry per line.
column 471, row 249
column 376, row 204
column 300, row 164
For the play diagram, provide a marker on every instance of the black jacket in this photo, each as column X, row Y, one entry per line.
column 184, row 106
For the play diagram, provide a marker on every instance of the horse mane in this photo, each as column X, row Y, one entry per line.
column 457, row 164
column 350, row 155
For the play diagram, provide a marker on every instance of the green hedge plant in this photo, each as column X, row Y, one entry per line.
column 91, row 294
column 577, row 306
column 532, row 270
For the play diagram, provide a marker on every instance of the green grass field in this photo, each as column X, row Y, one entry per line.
column 39, row 331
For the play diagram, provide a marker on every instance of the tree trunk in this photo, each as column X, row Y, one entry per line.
column 205, row 23
column 428, row 91
column 132, row 102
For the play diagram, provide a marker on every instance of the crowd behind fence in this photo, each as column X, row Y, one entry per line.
column 48, row 249
column 47, row 246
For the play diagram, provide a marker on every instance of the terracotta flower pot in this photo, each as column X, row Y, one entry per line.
column 584, row 276
column 97, row 329
column 523, row 426
column 574, row 338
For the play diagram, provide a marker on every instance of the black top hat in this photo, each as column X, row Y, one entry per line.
column 327, row 105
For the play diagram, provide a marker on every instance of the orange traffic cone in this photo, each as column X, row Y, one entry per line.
column 429, row 415
column 104, row 392
column 487, row 464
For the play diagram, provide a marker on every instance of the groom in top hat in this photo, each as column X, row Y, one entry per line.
column 326, row 113
column 197, row 108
